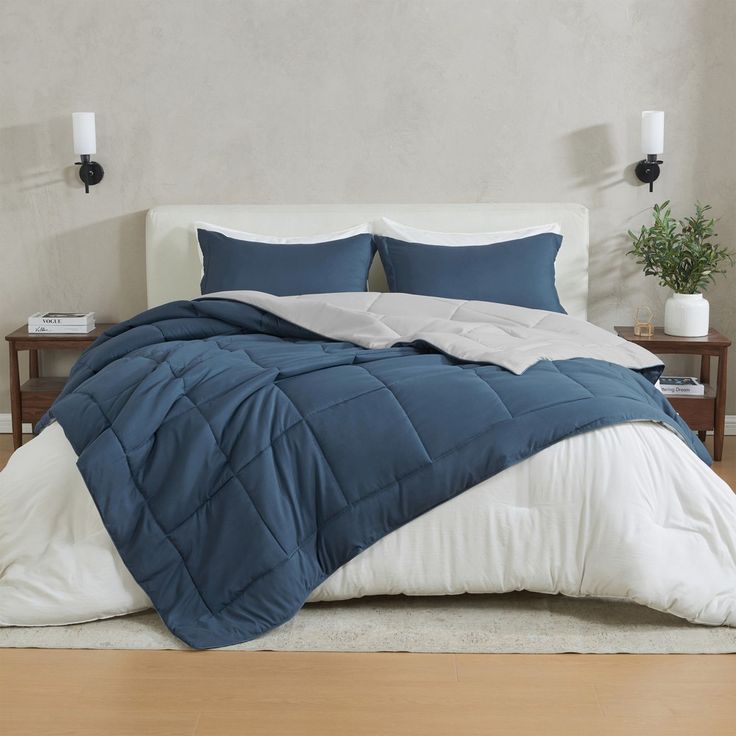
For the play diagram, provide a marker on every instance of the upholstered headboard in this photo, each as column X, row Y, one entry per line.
column 173, row 266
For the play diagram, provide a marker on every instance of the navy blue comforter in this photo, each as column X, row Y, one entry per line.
column 237, row 460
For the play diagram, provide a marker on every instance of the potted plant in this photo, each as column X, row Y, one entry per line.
column 684, row 256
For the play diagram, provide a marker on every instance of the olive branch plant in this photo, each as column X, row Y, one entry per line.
column 682, row 254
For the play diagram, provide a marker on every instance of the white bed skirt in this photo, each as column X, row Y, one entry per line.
column 625, row 512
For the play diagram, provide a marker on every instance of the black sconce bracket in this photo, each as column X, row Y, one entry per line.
column 90, row 172
column 647, row 170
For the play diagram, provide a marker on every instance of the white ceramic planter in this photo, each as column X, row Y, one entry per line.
column 686, row 315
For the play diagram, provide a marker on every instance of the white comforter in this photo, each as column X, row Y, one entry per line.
column 624, row 512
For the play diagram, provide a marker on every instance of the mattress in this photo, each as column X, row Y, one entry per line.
column 620, row 512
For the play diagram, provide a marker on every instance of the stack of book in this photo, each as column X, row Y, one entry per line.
column 61, row 323
column 681, row 386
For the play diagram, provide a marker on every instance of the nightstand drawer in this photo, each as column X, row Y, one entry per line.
column 698, row 411
column 38, row 394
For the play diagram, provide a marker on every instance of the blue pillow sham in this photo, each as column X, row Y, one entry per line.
column 284, row 270
column 519, row 272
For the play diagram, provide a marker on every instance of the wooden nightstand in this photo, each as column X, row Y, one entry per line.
column 29, row 402
column 702, row 413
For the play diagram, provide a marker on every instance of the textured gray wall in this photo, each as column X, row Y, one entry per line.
column 346, row 101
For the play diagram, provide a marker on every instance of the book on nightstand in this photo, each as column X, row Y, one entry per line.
column 681, row 386
column 60, row 323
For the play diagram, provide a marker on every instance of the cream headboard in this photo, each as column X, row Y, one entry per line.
column 173, row 266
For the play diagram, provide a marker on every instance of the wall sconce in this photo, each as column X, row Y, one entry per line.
column 85, row 144
column 652, row 145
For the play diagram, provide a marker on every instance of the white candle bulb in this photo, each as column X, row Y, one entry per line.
column 652, row 132
column 85, row 139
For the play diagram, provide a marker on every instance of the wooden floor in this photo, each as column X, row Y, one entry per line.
column 106, row 693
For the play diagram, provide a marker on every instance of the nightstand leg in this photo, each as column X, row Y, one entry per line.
column 705, row 368
column 15, row 406
column 720, row 419
column 33, row 363
column 705, row 378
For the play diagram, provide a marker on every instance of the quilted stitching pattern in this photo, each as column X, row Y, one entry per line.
column 237, row 461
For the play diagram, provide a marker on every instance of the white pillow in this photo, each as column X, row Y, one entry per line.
column 366, row 227
column 289, row 239
column 393, row 229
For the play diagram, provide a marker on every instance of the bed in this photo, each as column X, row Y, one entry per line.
column 457, row 466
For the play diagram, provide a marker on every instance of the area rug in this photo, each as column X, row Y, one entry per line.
column 515, row 622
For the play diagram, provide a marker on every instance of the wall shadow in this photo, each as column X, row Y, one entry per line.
column 37, row 155
column 591, row 159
